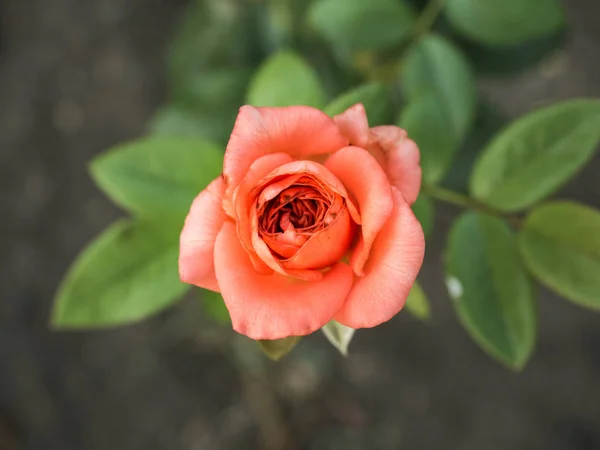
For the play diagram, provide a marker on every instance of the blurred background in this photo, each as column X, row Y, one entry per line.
column 79, row 76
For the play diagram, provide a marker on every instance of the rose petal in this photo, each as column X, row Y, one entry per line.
column 398, row 155
column 321, row 174
column 329, row 182
column 284, row 244
column 390, row 272
column 353, row 124
column 244, row 198
column 274, row 306
column 299, row 131
column 274, row 189
column 402, row 158
column 365, row 179
column 266, row 256
column 197, row 240
column 325, row 247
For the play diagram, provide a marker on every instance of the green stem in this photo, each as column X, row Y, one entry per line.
column 455, row 198
column 423, row 25
column 427, row 18
column 280, row 23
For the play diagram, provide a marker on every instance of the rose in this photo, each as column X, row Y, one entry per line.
column 309, row 222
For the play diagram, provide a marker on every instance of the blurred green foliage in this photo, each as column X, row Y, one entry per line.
column 425, row 213
column 356, row 25
column 506, row 22
column 214, row 306
column 417, row 303
column 440, row 90
column 271, row 84
column 410, row 62
column 375, row 97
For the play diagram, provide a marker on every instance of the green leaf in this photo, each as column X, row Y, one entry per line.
column 186, row 49
column 435, row 65
column 560, row 244
column 157, row 177
column 216, row 89
column 428, row 125
column 492, row 293
column 339, row 335
column 211, row 34
column 285, row 79
column 374, row 97
column 488, row 121
column 185, row 123
column 362, row 25
column 279, row 23
column 176, row 122
column 506, row 22
column 206, row 106
column 537, row 154
column 424, row 211
column 278, row 348
column 439, row 86
column 126, row 274
column 417, row 303
column 215, row 307
column 505, row 61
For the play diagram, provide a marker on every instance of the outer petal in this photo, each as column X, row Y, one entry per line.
column 363, row 176
column 390, row 272
column 354, row 125
column 244, row 198
column 300, row 131
column 275, row 306
column 197, row 240
column 398, row 155
column 402, row 160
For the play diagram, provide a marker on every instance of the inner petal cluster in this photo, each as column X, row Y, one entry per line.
column 296, row 208
column 301, row 208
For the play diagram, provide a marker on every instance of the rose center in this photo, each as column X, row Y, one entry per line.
column 297, row 208
column 304, row 207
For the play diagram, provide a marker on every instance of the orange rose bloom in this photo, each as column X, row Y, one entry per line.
column 310, row 222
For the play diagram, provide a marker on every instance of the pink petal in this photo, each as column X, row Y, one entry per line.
column 329, row 182
column 266, row 256
column 398, row 155
column 275, row 306
column 353, row 124
column 245, row 193
column 364, row 178
column 390, row 272
column 402, row 160
column 300, row 131
column 320, row 172
column 325, row 247
column 197, row 240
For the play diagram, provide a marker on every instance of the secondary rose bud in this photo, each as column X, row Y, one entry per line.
column 310, row 222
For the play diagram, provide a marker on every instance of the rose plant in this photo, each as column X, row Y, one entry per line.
column 296, row 213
